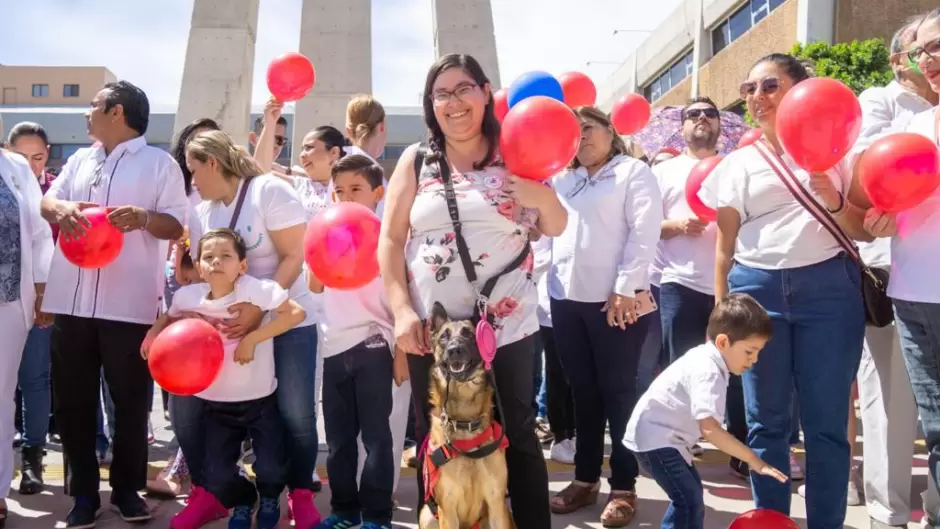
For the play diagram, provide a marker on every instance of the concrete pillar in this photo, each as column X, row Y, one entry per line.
column 466, row 26
column 220, row 59
column 337, row 38
column 815, row 21
column 701, row 45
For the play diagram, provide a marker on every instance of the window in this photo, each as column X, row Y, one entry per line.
column 669, row 78
column 70, row 90
column 40, row 90
column 55, row 152
column 741, row 21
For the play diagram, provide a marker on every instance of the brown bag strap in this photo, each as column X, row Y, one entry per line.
column 238, row 203
column 806, row 200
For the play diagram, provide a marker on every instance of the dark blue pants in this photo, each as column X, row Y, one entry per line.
column 652, row 356
column 600, row 362
column 681, row 482
column 35, row 386
column 684, row 315
column 558, row 399
column 357, row 399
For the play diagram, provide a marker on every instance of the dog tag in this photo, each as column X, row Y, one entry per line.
column 486, row 342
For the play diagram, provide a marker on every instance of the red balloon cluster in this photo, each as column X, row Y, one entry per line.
column 578, row 88
column 899, row 171
column 818, row 121
column 694, row 184
column 340, row 246
column 500, row 104
column 186, row 357
column 100, row 245
column 750, row 137
column 539, row 136
column 630, row 114
column 763, row 519
column 290, row 77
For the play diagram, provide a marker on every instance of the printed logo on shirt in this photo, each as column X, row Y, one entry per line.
column 247, row 238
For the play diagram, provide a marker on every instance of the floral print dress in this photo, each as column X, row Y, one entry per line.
column 496, row 230
column 10, row 258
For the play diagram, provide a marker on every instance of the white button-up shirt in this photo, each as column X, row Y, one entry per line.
column 130, row 289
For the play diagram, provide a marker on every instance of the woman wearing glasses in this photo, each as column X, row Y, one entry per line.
column 771, row 246
column 420, row 260
column 599, row 264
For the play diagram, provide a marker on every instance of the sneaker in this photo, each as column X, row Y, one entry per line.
column 796, row 471
column 564, row 451
column 242, row 516
column 854, row 496
column 340, row 522
column 150, row 438
column 202, row 507
column 373, row 525
column 130, row 506
column 740, row 469
column 17, row 440
column 697, row 450
column 801, row 491
column 302, row 510
column 542, row 431
column 317, row 483
column 875, row 524
column 84, row 513
column 269, row 513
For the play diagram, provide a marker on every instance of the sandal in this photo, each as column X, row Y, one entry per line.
column 573, row 497
column 620, row 509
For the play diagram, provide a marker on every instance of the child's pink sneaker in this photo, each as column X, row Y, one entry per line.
column 302, row 509
column 202, row 507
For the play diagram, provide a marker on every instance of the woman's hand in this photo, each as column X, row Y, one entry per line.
column 762, row 468
column 72, row 223
column 527, row 193
column 247, row 318
column 410, row 333
column 400, row 367
column 880, row 224
column 42, row 319
column 821, row 184
column 621, row 310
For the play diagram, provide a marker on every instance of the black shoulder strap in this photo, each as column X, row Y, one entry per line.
column 238, row 203
column 420, row 154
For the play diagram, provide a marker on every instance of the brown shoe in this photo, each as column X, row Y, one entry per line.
column 620, row 509
column 575, row 496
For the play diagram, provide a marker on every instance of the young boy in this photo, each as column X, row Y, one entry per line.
column 687, row 401
column 240, row 402
column 358, row 369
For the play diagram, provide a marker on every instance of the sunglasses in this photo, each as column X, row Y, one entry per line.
column 695, row 113
column 931, row 49
column 767, row 85
column 280, row 141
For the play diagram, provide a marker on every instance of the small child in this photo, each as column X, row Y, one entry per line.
column 240, row 402
column 687, row 402
column 358, row 369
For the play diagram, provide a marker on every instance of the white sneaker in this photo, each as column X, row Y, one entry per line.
column 796, row 471
column 854, row 494
column 564, row 451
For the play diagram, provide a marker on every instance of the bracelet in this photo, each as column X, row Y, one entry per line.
column 840, row 208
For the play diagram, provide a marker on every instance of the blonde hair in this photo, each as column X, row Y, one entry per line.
column 234, row 160
column 617, row 145
column 363, row 115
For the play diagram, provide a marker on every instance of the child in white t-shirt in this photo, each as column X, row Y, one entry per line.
column 687, row 402
column 358, row 369
column 240, row 401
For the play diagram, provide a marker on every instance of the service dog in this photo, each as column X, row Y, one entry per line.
column 464, row 456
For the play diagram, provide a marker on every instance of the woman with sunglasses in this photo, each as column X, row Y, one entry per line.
column 593, row 283
column 771, row 246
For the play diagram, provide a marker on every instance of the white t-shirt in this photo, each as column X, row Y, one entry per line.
column 270, row 205
column 691, row 389
column 688, row 261
column 351, row 317
column 915, row 250
column 542, row 249
column 235, row 382
column 776, row 231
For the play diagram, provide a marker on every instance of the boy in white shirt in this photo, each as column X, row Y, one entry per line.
column 687, row 402
column 240, row 401
column 358, row 369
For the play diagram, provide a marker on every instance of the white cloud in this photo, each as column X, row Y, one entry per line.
column 145, row 42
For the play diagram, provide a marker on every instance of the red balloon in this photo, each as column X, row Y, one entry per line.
column 578, row 88
column 694, row 184
column 100, row 245
column 290, row 77
column 818, row 121
column 630, row 114
column 186, row 357
column 763, row 519
column 899, row 171
column 340, row 246
column 750, row 137
column 500, row 104
column 540, row 135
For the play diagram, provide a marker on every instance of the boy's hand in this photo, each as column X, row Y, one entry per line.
column 762, row 468
column 400, row 367
column 245, row 352
column 147, row 343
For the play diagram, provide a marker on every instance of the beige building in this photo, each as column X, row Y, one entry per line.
column 724, row 38
column 51, row 85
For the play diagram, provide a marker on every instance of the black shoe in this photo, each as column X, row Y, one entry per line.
column 83, row 513
column 31, row 468
column 130, row 506
column 740, row 469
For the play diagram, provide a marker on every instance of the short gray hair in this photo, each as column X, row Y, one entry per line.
column 907, row 29
column 930, row 16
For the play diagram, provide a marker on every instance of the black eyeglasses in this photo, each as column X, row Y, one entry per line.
column 767, row 85
column 442, row 97
column 695, row 113
column 931, row 49
column 280, row 141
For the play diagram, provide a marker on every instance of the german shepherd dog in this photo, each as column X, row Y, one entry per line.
column 468, row 489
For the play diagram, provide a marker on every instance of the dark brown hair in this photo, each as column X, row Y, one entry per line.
column 241, row 249
column 359, row 164
column 739, row 316
column 617, row 145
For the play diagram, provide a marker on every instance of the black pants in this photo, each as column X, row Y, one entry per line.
column 528, row 476
column 601, row 364
column 560, row 403
column 357, row 399
column 226, row 425
column 83, row 347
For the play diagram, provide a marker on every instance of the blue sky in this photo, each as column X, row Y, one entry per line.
column 145, row 41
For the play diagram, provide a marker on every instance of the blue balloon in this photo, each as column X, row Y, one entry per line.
column 534, row 84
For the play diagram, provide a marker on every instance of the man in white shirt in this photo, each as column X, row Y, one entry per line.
column 103, row 314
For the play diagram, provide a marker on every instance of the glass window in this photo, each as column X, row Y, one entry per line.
column 689, row 66
column 70, row 90
column 740, row 22
column 55, row 152
column 40, row 90
column 720, row 38
column 70, row 149
column 669, row 79
column 774, row 4
column 759, row 10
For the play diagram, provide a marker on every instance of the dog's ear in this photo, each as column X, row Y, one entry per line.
column 438, row 317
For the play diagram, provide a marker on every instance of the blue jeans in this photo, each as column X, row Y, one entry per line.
column 818, row 330
column 681, row 482
column 651, row 355
column 539, row 380
column 187, row 416
column 295, row 365
column 684, row 316
column 917, row 324
column 35, row 384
